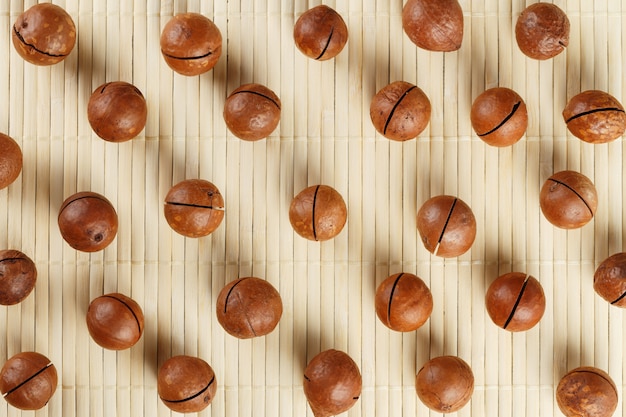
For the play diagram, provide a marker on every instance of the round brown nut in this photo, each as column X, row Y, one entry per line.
column 115, row 321
column 595, row 117
column 18, row 276
column 446, row 225
column 587, row 391
column 88, row 221
column 320, row 33
column 318, row 213
column 568, row 200
column 400, row 111
column 542, row 31
column 191, row 44
column 117, row 111
column 515, row 301
column 44, row 34
column 609, row 280
column 499, row 116
column 434, row 25
column 194, row 208
column 445, row 384
column 403, row 302
column 332, row 383
column 10, row 160
column 28, row 380
column 186, row 384
column 249, row 307
column 252, row 112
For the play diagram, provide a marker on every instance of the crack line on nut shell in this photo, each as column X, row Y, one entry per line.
column 258, row 94
column 12, row 259
column 327, row 43
column 193, row 396
column 27, row 380
column 187, row 58
column 506, row 119
column 519, row 299
column 19, row 36
column 230, row 291
column 313, row 212
column 445, row 225
column 194, row 205
column 618, row 299
column 575, row 192
column 128, row 307
column 393, row 289
column 395, row 106
column 585, row 113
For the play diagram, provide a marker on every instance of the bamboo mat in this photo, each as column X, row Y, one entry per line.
column 325, row 136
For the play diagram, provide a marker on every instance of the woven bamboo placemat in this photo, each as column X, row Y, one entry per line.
column 325, row 136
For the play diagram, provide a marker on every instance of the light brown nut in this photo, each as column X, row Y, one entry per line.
column 568, row 200
column 587, row 391
column 499, row 116
column 609, row 280
column 186, row 384
column 115, row 321
column 18, row 276
column 88, row 221
column 194, row 208
column 542, row 31
column 318, row 213
column 11, row 160
column 434, row 25
column 595, row 117
column 515, row 301
column 28, row 380
column 320, row 33
column 252, row 112
column 445, row 384
column 403, row 302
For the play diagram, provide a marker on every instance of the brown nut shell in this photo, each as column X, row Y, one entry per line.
column 568, row 200
column 446, row 226
column 44, row 34
column 88, row 221
column 320, row 33
column 115, row 321
column 445, row 384
column 400, row 111
column 117, row 111
column 252, row 112
column 18, row 276
column 609, row 280
column 515, row 301
column 542, row 31
column 499, row 116
column 403, row 302
column 318, row 213
column 28, row 380
column 595, row 117
column 191, row 44
column 587, row 391
column 10, row 160
column 332, row 383
column 249, row 307
column 434, row 25
column 194, row 208
column 186, row 384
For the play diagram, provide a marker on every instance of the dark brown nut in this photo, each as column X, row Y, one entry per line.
column 191, row 44
column 400, row 111
column 595, row 117
column 318, row 213
column 403, row 302
column 28, row 380
column 445, row 384
column 117, row 111
column 186, row 384
column 332, row 383
column 542, row 31
column 252, row 112
column 587, row 391
column 10, row 160
column 115, row 321
column 18, row 276
column 568, row 200
column 320, row 33
column 249, row 307
column 194, row 208
column 434, row 25
column 499, row 116
column 44, row 34
column 446, row 225
column 515, row 301
column 88, row 221
column 609, row 280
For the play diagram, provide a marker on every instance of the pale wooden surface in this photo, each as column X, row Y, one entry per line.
column 325, row 136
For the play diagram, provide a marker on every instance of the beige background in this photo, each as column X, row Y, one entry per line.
column 325, row 136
